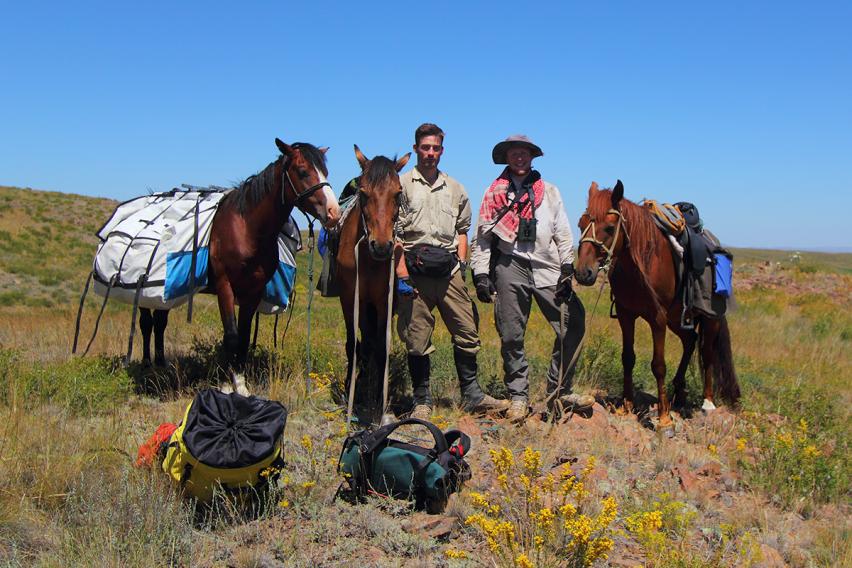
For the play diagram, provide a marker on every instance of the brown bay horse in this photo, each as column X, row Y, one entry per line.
column 368, row 233
column 244, row 244
column 621, row 238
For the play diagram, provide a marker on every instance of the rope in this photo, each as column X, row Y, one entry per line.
column 80, row 312
column 388, row 335
column 353, row 373
column 310, row 304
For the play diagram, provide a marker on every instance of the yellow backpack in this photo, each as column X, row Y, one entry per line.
column 226, row 442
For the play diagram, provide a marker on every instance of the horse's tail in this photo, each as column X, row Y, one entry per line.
column 723, row 372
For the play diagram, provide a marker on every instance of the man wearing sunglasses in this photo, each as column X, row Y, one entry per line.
column 434, row 218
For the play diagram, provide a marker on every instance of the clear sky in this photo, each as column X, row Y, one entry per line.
column 744, row 108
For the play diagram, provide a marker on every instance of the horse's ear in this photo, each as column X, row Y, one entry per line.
column 362, row 159
column 285, row 149
column 324, row 149
column 400, row 163
column 593, row 189
column 617, row 193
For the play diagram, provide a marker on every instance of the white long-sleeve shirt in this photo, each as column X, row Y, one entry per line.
column 553, row 246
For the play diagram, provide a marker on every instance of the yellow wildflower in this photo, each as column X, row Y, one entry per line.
column 284, row 503
column 453, row 553
column 523, row 562
column 713, row 449
column 308, row 484
column 307, row 443
column 811, row 452
column 590, row 466
column 785, row 439
column 741, row 444
column 532, row 462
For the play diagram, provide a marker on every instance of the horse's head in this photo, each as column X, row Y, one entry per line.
column 305, row 179
column 602, row 232
column 378, row 197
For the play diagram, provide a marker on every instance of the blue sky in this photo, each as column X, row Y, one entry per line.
column 744, row 108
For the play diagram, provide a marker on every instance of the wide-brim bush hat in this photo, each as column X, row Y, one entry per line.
column 498, row 154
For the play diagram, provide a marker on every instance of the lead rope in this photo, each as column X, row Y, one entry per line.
column 310, row 303
column 353, row 372
column 391, row 274
column 563, row 324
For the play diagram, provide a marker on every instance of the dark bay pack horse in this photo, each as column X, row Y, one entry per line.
column 244, row 244
column 621, row 237
column 368, row 231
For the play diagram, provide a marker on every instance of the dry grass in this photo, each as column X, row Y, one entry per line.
column 68, row 495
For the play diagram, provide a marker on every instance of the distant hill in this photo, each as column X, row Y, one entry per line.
column 47, row 242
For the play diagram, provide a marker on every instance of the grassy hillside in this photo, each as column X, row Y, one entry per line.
column 768, row 483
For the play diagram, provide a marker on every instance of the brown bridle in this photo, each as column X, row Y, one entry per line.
column 604, row 263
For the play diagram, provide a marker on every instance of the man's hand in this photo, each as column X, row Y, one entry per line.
column 484, row 287
column 404, row 288
column 564, row 289
column 463, row 270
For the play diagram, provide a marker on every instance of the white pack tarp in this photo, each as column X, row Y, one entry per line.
column 150, row 245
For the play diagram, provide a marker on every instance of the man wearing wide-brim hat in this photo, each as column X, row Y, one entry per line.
column 524, row 250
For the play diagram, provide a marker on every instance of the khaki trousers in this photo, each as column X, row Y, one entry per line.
column 416, row 321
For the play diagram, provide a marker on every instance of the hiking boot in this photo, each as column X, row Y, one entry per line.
column 421, row 412
column 388, row 418
column 577, row 401
column 488, row 404
column 518, row 410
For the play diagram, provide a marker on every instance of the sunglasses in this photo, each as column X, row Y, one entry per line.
column 433, row 147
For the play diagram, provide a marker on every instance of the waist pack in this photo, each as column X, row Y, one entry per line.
column 432, row 261
column 227, row 442
column 373, row 463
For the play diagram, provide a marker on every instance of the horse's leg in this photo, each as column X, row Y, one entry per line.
column 688, row 339
column 627, row 323
column 146, row 324
column 658, row 367
column 248, row 307
column 709, row 360
column 231, row 338
column 161, row 320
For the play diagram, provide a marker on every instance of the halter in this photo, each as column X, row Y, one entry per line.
column 303, row 195
column 361, row 209
column 606, row 262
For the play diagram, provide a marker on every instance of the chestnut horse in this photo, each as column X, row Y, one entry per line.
column 621, row 238
column 244, row 244
column 368, row 232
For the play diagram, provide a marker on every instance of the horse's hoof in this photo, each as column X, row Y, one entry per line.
column 240, row 386
column 708, row 406
column 159, row 362
column 226, row 387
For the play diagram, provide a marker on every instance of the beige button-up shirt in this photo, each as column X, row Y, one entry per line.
column 553, row 246
column 432, row 214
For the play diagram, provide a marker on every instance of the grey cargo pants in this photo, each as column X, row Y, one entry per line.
column 515, row 291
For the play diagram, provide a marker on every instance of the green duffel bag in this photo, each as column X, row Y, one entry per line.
column 375, row 464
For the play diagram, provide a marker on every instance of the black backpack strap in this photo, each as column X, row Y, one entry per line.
column 374, row 440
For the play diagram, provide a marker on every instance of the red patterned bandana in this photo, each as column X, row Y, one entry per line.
column 496, row 200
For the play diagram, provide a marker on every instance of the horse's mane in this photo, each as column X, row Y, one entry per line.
column 381, row 168
column 643, row 232
column 254, row 188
